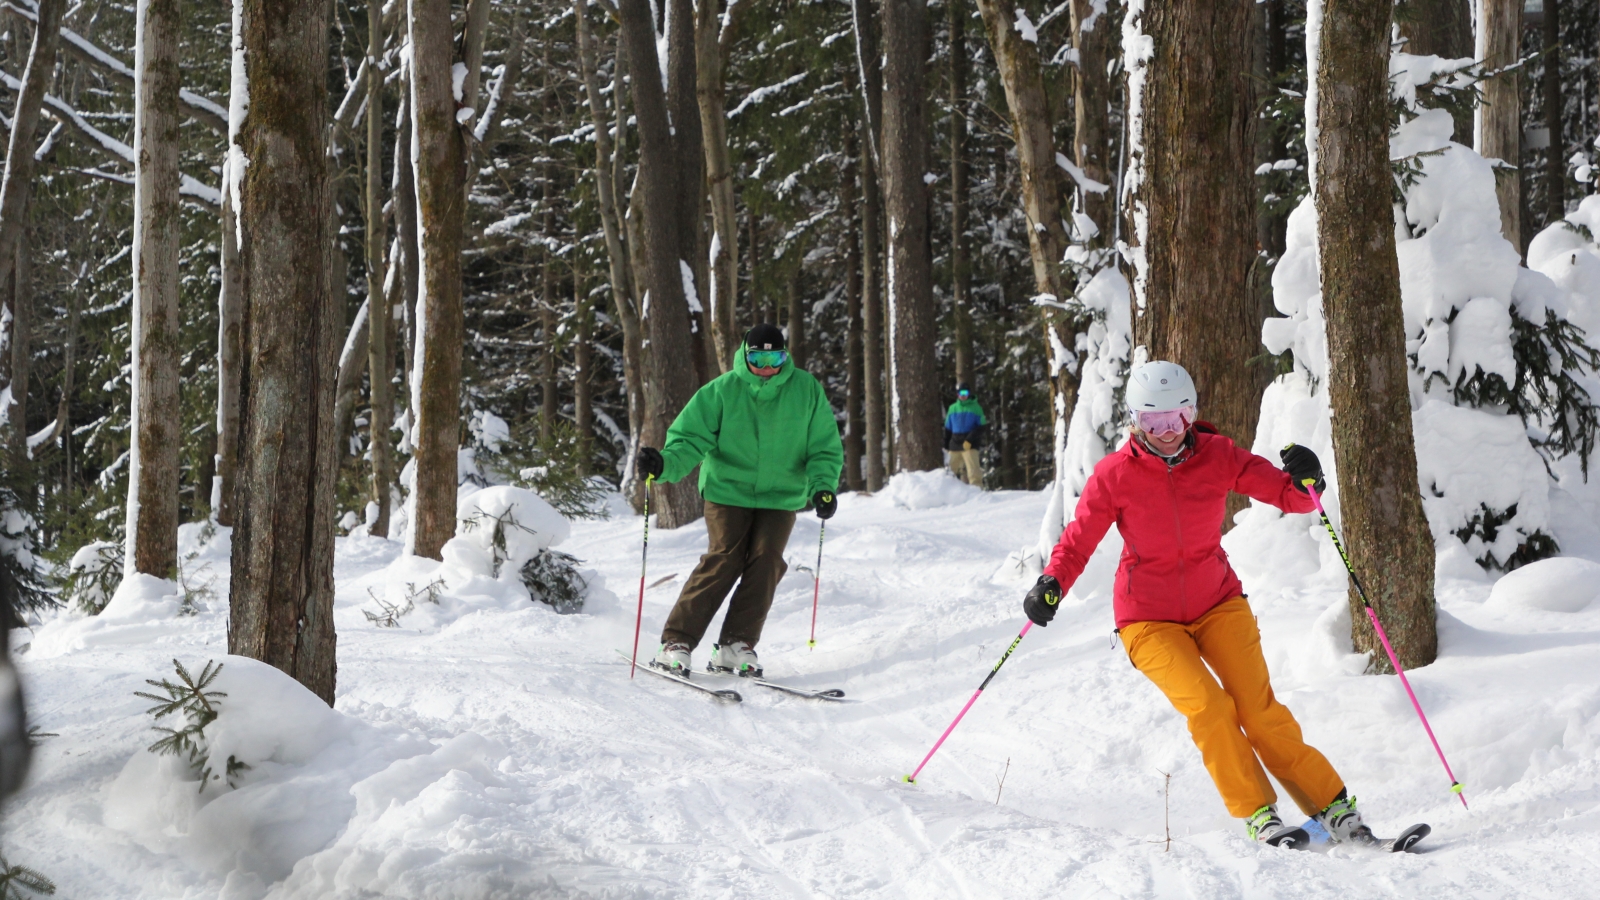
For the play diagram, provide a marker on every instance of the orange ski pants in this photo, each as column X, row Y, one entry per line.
column 1239, row 725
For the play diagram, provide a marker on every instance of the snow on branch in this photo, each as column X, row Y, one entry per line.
column 199, row 108
column 57, row 109
column 1078, row 175
column 762, row 93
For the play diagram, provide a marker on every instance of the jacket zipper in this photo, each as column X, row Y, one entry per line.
column 1177, row 525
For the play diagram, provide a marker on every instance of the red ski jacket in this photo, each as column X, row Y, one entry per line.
column 1173, row 568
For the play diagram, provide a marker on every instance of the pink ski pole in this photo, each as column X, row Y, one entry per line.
column 1455, row 786
column 816, row 587
column 912, row 778
column 644, row 557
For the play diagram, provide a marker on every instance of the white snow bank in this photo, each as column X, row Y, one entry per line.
column 927, row 490
column 1558, row 584
column 142, row 608
column 313, row 774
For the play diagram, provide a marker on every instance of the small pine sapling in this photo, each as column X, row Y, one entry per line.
column 200, row 708
column 93, row 575
column 16, row 879
column 552, row 578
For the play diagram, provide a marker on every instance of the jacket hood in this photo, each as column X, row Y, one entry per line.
column 741, row 369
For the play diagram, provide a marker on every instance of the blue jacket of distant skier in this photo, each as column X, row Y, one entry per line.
column 964, row 423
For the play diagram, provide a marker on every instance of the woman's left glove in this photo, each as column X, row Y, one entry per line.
column 826, row 504
column 1042, row 600
column 1302, row 465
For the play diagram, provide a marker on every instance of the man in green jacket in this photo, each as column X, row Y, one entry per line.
column 767, row 444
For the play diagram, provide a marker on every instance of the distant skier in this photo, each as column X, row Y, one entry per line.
column 964, row 427
column 770, row 446
column 1180, row 607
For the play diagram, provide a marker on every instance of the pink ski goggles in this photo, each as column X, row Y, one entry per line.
column 1167, row 421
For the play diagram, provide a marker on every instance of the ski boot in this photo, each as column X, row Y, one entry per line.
column 737, row 658
column 673, row 659
column 1343, row 822
column 1265, row 826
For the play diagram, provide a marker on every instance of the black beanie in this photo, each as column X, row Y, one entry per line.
column 765, row 337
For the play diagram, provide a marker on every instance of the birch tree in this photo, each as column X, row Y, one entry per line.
column 281, row 609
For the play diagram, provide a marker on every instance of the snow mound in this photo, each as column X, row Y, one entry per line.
column 928, row 490
column 294, row 799
column 1559, row 584
column 142, row 608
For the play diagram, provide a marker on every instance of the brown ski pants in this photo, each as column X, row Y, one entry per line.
column 745, row 546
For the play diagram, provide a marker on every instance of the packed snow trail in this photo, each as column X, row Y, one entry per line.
column 506, row 753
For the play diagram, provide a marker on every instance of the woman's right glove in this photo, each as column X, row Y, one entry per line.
column 1302, row 465
column 1042, row 600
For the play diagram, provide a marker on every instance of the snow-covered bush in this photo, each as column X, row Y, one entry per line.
column 93, row 574
column 189, row 699
column 1498, row 354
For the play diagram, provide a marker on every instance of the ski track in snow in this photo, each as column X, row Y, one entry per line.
column 595, row 786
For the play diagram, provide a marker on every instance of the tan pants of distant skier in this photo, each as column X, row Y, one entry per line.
column 744, row 546
column 966, row 466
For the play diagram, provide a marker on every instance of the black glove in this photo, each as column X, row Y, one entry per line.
column 826, row 504
column 1042, row 600
column 1302, row 465
column 650, row 462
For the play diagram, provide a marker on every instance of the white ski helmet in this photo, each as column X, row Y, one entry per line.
column 1159, row 386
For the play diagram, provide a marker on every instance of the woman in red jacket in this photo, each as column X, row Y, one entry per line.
column 1180, row 608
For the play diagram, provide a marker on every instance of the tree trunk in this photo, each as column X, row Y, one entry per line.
column 872, row 321
column 1041, row 175
column 870, row 61
column 380, row 311
column 282, row 593
column 582, row 374
column 797, row 314
column 549, row 401
column 712, row 42
column 1555, row 159
column 1441, row 28
column 157, row 426
column 20, row 291
column 854, row 388
column 404, row 192
column 1194, row 304
column 688, row 179
column 658, row 201
column 1094, row 32
column 441, row 172
column 1272, row 228
column 913, row 331
column 1500, row 114
column 617, row 253
column 960, row 268
column 14, row 193
column 230, row 356
column 1384, row 529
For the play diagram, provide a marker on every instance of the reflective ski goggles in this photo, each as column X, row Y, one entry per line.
column 766, row 359
column 1167, row 421
column 964, row 394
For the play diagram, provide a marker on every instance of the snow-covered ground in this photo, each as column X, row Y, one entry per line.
column 504, row 752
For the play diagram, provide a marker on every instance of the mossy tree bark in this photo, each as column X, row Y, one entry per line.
column 1384, row 528
column 913, row 328
column 1194, row 305
column 441, row 173
column 281, row 610
column 156, row 429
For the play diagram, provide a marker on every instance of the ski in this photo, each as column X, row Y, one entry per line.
column 826, row 694
column 730, row 696
column 1406, row 840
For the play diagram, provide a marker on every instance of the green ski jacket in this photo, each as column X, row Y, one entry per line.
column 765, row 443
